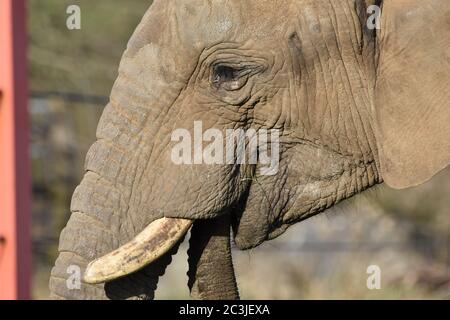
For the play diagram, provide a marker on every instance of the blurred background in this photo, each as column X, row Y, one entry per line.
column 71, row 72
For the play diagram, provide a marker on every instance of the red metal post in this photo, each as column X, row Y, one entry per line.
column 14, row 166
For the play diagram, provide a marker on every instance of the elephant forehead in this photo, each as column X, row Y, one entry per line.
column 195, row 24
column 204, row 22
column 224, row 20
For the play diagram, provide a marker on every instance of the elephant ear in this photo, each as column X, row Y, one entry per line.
column 412, row 94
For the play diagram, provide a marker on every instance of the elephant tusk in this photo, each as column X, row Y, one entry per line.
column 155, row 240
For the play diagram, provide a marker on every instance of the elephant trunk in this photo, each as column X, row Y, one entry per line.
column 131, row 181
column 110, row 206
column 211, row 272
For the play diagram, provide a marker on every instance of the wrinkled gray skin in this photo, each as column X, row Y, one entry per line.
column 348, row 101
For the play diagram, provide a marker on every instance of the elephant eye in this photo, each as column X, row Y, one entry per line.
column 228, row 78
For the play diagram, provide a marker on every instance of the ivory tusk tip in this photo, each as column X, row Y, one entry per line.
column 93, row 275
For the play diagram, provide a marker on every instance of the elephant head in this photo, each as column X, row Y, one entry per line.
column 353, row 106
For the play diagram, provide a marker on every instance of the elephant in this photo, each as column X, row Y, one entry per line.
column 355, row 106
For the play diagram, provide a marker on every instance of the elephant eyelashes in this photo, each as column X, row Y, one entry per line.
column 228, row 78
